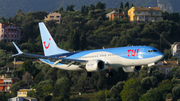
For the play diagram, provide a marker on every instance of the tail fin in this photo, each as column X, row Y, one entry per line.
column 49, row 45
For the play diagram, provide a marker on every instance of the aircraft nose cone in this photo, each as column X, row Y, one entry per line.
column 161, row 56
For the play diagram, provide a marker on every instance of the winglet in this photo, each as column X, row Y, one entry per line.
column 19, row 51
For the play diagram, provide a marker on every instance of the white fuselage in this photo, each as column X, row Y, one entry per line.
column 110, row 60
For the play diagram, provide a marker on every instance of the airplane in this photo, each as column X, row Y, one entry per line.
column 130, row 58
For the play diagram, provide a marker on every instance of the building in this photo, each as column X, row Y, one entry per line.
column 10, row 32
column 144, row 14
column 5, row 83
column 165, row 66
column 115, row 14
column 22, row 96
column 22, row 99
column 23, row 92
column 175, row 49
column 54, row 16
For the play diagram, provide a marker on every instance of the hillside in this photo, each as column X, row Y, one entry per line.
column 10, row 7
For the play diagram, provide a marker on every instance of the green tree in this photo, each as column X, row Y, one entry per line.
column 62, row 88
column 114, row 41
column 39, row 77
column 155, row 72
column 100, row 5
column 19, row 16
column 43, row 89
column 74, row 40
column 97, row 13
column 165, row 15
column 67, row 8
column 166, row 88
column 116, row 90
column 3, row 20
column 51, row 74
column 83, row 9
column 149, row 82
column 92, row 7
column 102, row 95
column 32, row 93
column 132, row 5
column 51, row 24
column 30, row 67
column 61, row 9
column 47, row 89
column 176, row 92
column 132, row 90
column 121, row 5
column 70, row 8
column 47, row 98
column 4, row 96
column 152, row 95
column 83, row 42
column 18, row 73
column 86, row 11
column 174, row 71
column 127, row 5
column 14, row 88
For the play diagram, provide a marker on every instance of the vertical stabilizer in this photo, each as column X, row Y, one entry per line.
column 49, row 45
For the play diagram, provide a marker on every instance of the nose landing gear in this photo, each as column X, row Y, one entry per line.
column 109, row 74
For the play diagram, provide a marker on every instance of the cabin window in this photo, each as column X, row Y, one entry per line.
column 152, row 51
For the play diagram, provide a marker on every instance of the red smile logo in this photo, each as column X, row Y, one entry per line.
column 48, row 44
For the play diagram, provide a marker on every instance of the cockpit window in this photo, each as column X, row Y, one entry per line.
column 152, row 50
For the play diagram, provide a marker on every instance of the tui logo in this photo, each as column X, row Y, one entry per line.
column 48, row 44
column 133, row 52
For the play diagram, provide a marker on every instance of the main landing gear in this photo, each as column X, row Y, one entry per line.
column 87, row 74
column 149, row 70
column 108, row 74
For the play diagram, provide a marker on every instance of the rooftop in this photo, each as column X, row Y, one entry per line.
column 167, row 64
column 30, row 98
column 24, row 90
column 149, row 9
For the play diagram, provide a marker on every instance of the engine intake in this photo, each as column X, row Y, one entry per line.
column 95, row 65
column 132, row 68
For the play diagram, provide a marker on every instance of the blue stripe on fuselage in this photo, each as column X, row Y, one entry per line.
column 129, row 52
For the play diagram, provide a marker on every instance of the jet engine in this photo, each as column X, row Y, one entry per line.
column 95, row 65
column 132, row 68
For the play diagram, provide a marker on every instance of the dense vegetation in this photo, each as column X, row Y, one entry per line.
column 89, row 29
column 10, row 7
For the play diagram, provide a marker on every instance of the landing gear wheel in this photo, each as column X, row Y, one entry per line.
column 109, row 74
column 87, row 74
column 149, row 70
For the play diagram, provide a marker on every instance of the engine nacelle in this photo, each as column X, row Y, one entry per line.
column 132, row 68
column 95, row 65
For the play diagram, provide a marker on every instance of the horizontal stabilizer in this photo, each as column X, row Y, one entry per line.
column 20, row 53
column 17, row 48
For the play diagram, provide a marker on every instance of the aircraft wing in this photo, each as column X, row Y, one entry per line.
column 20, row 53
